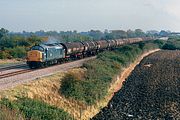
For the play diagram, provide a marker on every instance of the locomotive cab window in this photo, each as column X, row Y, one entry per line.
column 37, row 48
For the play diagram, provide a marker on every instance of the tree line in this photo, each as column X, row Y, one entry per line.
column 16, row 44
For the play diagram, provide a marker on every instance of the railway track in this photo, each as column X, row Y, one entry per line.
column 12, row 67
column 11, row 79
column 15, row 73
column 18, row 72
column 10, row 74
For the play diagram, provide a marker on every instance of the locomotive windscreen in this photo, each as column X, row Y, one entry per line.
column 37, row 48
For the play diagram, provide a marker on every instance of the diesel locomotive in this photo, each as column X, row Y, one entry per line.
column 47, row 54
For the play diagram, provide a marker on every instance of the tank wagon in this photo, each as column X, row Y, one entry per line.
column 73, row 49
column 90, row 48
column 48, row 54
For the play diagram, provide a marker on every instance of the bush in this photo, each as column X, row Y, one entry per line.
column 72, row 87
column 172, row 44
column 4, row 55
column 35, row 109
column 16, row 46
column 169, row 46
column 9, row 114
column 160, row 43
column 17, row 52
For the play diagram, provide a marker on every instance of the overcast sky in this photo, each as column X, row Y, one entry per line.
column 84, row 15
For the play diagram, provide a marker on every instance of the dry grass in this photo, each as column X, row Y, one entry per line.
column 47, row 89
column 7, row 114
column 79, row 74
column 10, row 61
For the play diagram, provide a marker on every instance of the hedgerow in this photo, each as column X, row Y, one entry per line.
column 35, row 109
column 101, row 71
column 172, row 44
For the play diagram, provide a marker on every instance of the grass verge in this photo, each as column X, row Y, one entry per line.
column 34, row 109
column 94, row 84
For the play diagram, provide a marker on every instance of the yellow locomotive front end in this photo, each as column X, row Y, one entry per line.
column 34, row 56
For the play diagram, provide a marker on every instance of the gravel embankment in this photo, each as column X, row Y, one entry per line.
column 9, row 82
column 150, row 92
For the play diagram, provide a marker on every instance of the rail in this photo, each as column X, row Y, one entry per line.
column 14, row 73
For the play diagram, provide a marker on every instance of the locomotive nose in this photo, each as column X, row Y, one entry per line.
column 34, row 56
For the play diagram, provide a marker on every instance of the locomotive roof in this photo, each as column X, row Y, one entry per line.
column 51, row 45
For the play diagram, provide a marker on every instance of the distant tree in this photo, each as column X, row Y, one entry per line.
column 109, row 36
column 131, row 33
column 34, row 40
column 4, row 39
column 3, row 32
column 119, row 34
column 139, row 33
column 96, row 34
column 52, row 33
column 106, row 31
column 164, row 33
column 152, row 33
column 20, row 41
column 75, row 32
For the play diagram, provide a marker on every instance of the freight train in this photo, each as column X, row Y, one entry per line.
column 48, row 54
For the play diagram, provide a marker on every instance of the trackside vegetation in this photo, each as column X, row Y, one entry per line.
column 10, row 114
column 30, row 109
column 101, row 71
column 173, row 43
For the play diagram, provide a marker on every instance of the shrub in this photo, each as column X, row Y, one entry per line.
column 72, row 87
column 4, row 55
column 169, row 46
column 17, row 52
column 35, row 109
column 160, row 43
column 9, row 114
column 172, row 44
